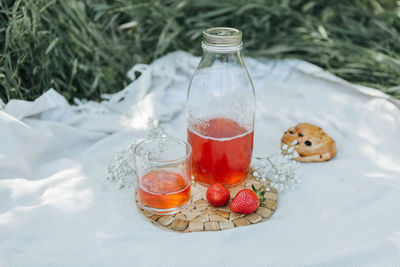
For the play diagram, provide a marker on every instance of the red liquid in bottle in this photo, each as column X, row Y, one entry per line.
column 164, row 189
column 224, row 155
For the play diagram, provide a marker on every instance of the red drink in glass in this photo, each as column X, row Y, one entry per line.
column 164, row 189
column 221, row 152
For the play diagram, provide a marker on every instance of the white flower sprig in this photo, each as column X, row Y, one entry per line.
column 279, row 168
column 122, row 168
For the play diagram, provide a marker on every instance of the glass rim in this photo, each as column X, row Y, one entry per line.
column 186, row 156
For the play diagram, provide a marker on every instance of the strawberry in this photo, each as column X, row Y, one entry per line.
column 247, row 201
column 218, row 195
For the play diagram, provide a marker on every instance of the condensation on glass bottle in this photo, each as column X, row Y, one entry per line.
column 220, row 110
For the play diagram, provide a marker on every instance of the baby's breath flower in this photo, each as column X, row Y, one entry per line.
column 280, row 169
column 122, row 168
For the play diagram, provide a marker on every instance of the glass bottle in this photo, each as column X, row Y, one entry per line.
column 220, row 110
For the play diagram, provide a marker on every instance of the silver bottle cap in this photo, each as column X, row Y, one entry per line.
column 222, row 37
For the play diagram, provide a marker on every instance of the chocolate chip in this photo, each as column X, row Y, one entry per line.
column 308, row 143
column 301, row 135
column 291, row 132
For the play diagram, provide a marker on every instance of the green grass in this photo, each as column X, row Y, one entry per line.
column 84, row 48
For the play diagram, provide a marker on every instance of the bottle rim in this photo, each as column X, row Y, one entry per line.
column 222, row 37
column 221, row 49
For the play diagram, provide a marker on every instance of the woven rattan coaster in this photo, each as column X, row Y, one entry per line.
column 201, row 216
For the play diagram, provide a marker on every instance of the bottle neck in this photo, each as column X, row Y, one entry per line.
column 221, row 49
column 211, row 57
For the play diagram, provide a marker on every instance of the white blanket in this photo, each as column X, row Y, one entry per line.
column 57, row 208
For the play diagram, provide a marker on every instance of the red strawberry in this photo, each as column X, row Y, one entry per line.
column 247, row 201
column 218, row 195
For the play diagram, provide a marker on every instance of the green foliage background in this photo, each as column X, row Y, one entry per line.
column 83, row 48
